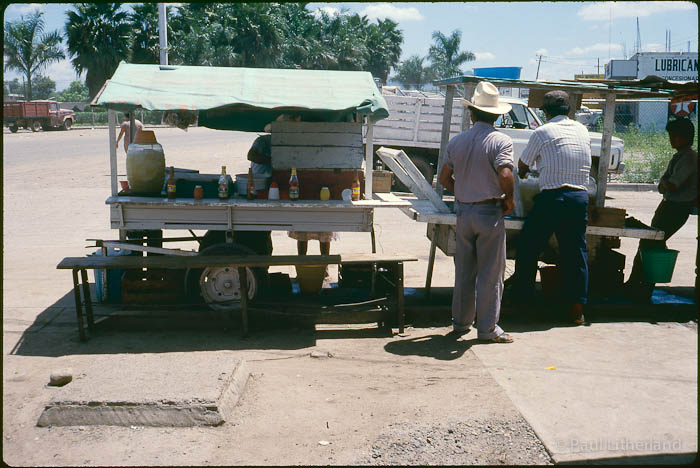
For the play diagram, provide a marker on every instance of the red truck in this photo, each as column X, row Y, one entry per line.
column 36, row 115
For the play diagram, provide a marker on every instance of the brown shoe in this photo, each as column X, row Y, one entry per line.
column 577, row 317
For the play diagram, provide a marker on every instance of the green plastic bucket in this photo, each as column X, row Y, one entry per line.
column 658, row 264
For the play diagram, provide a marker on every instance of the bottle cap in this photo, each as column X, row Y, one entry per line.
column 324, row 188
column 273, row 184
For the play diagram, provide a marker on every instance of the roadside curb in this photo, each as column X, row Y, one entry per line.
column 632, row 187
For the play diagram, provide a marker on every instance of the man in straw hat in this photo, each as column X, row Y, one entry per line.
column 481, row 160
column 561, row 150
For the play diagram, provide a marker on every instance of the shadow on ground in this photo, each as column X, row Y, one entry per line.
column 172, row 329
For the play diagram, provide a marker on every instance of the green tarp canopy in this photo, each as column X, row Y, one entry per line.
column 246, row 99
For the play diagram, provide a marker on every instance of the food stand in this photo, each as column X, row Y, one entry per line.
column 332, row 106
column 602, row 237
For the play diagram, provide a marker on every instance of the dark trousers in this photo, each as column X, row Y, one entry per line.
column 669, row 217
column 563, row 212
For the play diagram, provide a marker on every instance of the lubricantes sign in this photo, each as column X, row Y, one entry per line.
column 673, row 66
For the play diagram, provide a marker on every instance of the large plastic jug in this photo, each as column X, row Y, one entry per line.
column 145, row 164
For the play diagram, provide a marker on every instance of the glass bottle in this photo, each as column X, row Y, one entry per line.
column 172, row 188
column 223, row 184
column 294, row 185
column 356, row 188
column 250, row 190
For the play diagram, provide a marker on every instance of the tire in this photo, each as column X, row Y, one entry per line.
column 200, row 288
column 67, row 124
column 423, row 165
column 36, row 126
column 14, row 128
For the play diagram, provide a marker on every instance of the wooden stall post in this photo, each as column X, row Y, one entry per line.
column 112, row 118
column 606, row 144
column 369, row 152
column 445, row 138
column 466, row 114
column 132, row 125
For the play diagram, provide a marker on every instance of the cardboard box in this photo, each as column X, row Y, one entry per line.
column 381, row 181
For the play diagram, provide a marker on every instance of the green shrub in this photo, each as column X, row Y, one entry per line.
column 646, row 154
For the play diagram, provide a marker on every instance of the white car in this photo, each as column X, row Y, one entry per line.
column 521, row 121
column 414, row 125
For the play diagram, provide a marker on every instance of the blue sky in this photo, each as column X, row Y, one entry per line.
column 570, row 35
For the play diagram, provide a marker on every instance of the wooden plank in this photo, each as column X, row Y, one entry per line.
column 200, row 261
column 435, row 136
column 409, row 174
column 369, row 158
column 316, row 127
column 405, row 134
column 143, row 248
column 112, row 135
column 604, row 163
column 352, row 140
column 262, row 205
column 445, row 136
column 608, row 217
column 314, row 157
column 455, row 126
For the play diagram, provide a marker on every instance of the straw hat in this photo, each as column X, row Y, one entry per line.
column 486, row 99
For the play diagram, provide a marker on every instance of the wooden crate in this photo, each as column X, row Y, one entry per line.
column 381, row 181
column 607, row 217
column 155, row 286
column 317, row 145
column 312, row 180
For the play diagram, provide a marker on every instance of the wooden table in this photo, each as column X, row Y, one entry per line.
column 82, row 264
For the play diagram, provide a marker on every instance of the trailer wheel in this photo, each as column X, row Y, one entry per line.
column 14, row 128
column 36, row 126
column 423, row 165
column 67, row 124
column 219, row 287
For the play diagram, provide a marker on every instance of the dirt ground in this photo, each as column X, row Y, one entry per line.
column 418, row 399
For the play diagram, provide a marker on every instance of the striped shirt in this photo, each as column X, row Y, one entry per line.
column 475, row 156
column 561, row 152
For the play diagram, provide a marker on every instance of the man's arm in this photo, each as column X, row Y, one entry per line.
column 505, row 180
column 523, row 169
column 120, row 136
column 446, row 178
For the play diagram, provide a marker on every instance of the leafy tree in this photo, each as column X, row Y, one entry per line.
column 28, row 49
column 412, row 73
column 445, row 56
column 15, row 87
column 44, row 87
column 98, row 39
column 76, row 92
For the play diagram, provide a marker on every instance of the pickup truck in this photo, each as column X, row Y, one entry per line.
column 36, row 115
column 415, row 121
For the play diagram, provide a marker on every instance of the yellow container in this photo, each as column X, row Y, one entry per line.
column 145, row 164
column 310, row 278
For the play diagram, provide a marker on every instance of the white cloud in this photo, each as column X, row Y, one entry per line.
column 598, row 48
column 394, row 13
column 600, row 11
column 541, row 52
column 653, row 47
column 330, row 11
column 484, row 56
column 24, row 8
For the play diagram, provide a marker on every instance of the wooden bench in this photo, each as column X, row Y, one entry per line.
column 80, row 265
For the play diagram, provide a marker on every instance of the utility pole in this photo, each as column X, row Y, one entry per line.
column 598, row 67
column 638, row 44
column 538, row 66
column 163, row 33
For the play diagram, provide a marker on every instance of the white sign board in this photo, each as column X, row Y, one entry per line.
column 669, row 65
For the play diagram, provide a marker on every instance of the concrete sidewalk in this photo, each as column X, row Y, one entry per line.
column 622, row 392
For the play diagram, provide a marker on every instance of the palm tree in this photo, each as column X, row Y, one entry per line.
column 144, row 25
column 412, row 73
column 98, row 39
column 383, row 47
column 28, row 50
column 445, row 56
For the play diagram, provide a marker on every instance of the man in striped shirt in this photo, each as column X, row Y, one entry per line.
column 561, row 152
